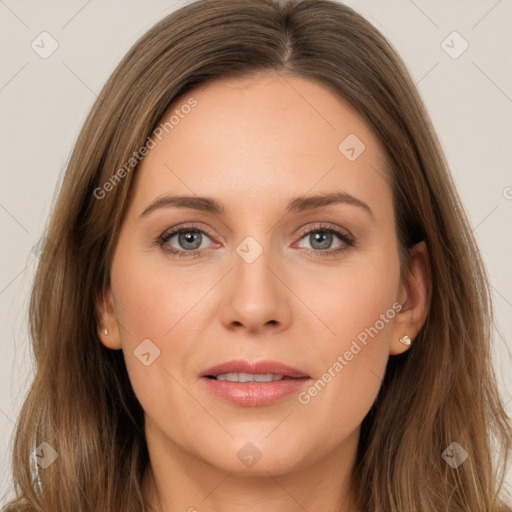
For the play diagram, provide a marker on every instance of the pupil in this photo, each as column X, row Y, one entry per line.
column 323, row 240
column 189, row 237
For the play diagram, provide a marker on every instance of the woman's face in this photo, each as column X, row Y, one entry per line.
column 272, row 276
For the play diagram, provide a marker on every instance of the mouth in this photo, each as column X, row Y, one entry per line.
column 254, row 383
column 241, row 370
column 249, row 377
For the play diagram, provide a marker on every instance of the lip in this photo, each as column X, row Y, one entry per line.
column 255, row 394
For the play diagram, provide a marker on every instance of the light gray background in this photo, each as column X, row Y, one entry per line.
column 45, row 101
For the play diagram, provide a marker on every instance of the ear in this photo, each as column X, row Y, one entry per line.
column 107, row 315
column 414, row 295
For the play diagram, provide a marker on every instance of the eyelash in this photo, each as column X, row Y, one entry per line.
column 347, row 239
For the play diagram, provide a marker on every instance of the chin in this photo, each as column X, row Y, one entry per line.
column 256, row 458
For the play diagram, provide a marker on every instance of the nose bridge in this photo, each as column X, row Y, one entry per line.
column 253, row 262
column 255, row 296
column 254, row 244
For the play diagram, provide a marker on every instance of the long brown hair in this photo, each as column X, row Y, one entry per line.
column 442, row 390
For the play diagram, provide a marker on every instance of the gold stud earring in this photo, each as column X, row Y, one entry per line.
column 406, row 340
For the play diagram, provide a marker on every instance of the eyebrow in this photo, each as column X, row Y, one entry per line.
column 296, row 204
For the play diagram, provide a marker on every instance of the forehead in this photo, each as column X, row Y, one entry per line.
column 273, row 134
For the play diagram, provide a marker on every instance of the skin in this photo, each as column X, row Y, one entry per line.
column 255, row 144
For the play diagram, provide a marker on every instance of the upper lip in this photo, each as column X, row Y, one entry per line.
column 255, row 367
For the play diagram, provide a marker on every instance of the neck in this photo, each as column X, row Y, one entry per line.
column 178, row 482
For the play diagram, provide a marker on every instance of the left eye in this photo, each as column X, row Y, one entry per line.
column 321, row 239
column 188, row 239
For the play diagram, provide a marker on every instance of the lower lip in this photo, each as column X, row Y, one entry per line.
column 255, row 394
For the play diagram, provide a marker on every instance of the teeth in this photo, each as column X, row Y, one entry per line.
column 249, row 377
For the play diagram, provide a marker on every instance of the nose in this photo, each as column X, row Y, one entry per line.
column 256, row 297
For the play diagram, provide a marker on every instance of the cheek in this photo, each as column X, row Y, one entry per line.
column 158, row 315
column 359, row 311
column 150, row 300
column 364, row 308
column 357, row 302
column 151, row 308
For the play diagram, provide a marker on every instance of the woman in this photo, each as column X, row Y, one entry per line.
column 192, row 353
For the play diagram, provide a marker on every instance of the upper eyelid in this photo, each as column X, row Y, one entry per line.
column 173, row 231
column 325, row 226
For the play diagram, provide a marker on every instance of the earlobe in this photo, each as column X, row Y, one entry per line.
column 415, row 293
column 108, row 331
